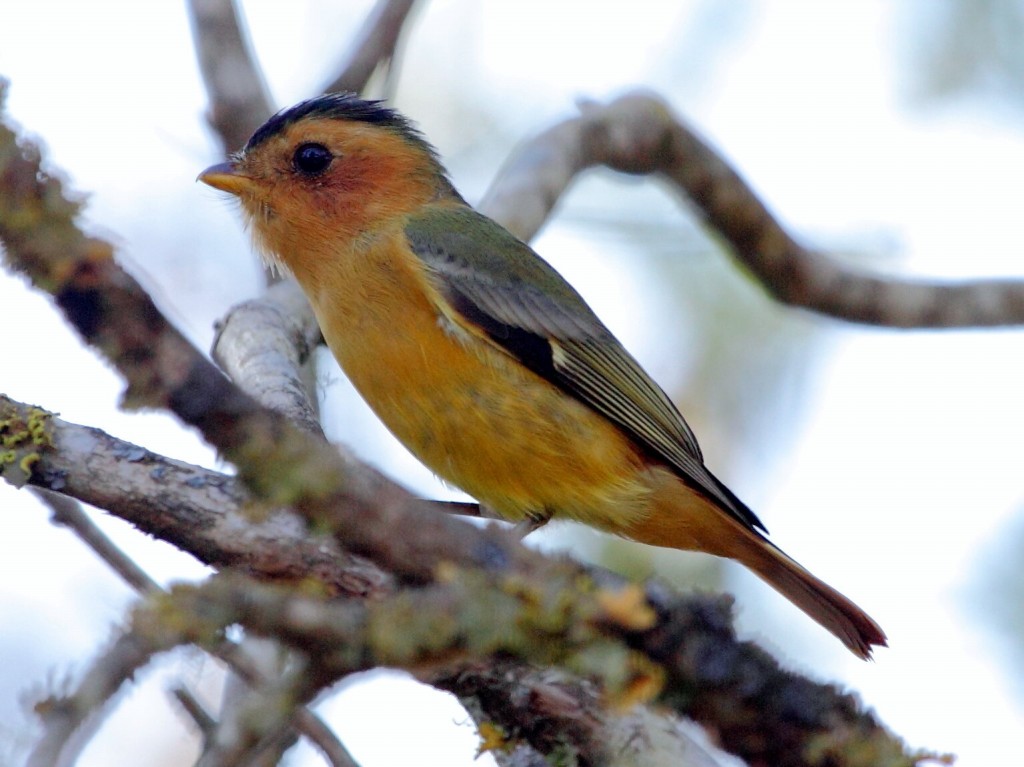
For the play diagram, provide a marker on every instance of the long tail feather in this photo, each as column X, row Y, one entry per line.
column 682, row 519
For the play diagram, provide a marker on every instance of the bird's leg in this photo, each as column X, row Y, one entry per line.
column 531, row 524
column 486, row 512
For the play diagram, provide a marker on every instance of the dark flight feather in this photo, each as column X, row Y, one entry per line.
column 528, row 309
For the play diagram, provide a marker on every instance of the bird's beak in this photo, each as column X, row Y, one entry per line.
column 226, row 177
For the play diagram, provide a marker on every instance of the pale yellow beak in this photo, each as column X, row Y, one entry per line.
column 226, row 177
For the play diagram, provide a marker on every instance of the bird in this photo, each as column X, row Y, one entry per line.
column 480, row 357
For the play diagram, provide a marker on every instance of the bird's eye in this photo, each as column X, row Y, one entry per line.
column 312, row 159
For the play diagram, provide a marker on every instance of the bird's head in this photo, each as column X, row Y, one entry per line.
column 333, row 167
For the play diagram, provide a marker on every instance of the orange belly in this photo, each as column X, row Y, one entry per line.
column 472, row 414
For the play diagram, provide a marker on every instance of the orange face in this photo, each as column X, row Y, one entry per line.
column 323, row 182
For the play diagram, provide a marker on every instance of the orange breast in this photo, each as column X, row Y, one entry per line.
column 471, row 413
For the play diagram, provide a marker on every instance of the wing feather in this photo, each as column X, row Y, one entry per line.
column 499, row 285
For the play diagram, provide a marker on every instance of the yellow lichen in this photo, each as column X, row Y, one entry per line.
column 9, row 434
column 22, row 437
column 28, row 461
column 627, row 607
column 643, row 685
column 38, row 420
column 492, row 738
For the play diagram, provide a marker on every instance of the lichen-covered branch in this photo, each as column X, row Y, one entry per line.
column 568, row 717
column 467, row 614
column 197, row 510
column 728, row 686
column 639, row 134
column 473, row 616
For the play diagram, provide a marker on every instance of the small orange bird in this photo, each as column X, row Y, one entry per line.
column 481, row 358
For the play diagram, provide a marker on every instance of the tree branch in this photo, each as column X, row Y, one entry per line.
column 197, row 510
column 376, row 45
column 235, row 88
column 263, row 344
column 693, row 637
column 72, row 711
column 470, row 617
column 69, row 513
column 639, row 134
column 258, row 724
column 562, row 715
column 64, row 716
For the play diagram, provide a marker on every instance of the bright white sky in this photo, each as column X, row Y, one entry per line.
column 906, row 474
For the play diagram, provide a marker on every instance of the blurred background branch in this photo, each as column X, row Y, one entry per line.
column 376, row 46
column 235, row 87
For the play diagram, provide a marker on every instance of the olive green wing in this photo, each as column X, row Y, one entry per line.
column 502, row 287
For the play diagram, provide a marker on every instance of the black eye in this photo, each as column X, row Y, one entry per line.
column 312, row 159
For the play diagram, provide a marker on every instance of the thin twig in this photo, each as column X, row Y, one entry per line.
column 196, row 711
column 63, row 717
column 69, row 513
column 304, row 720
column 255, row 729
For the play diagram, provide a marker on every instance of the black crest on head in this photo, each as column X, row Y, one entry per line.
column 338, row 106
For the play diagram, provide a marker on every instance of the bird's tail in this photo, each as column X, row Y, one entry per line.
column 682, row 519
column 835, row 612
